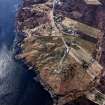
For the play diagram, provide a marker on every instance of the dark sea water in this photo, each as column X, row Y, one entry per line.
column 17, row 86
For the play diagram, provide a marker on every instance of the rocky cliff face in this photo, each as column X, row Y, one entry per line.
column 43, row 48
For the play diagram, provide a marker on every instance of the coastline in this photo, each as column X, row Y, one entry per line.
column 28, row 64
column 19, row 39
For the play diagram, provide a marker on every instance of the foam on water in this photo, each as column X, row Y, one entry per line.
column 5, row 61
